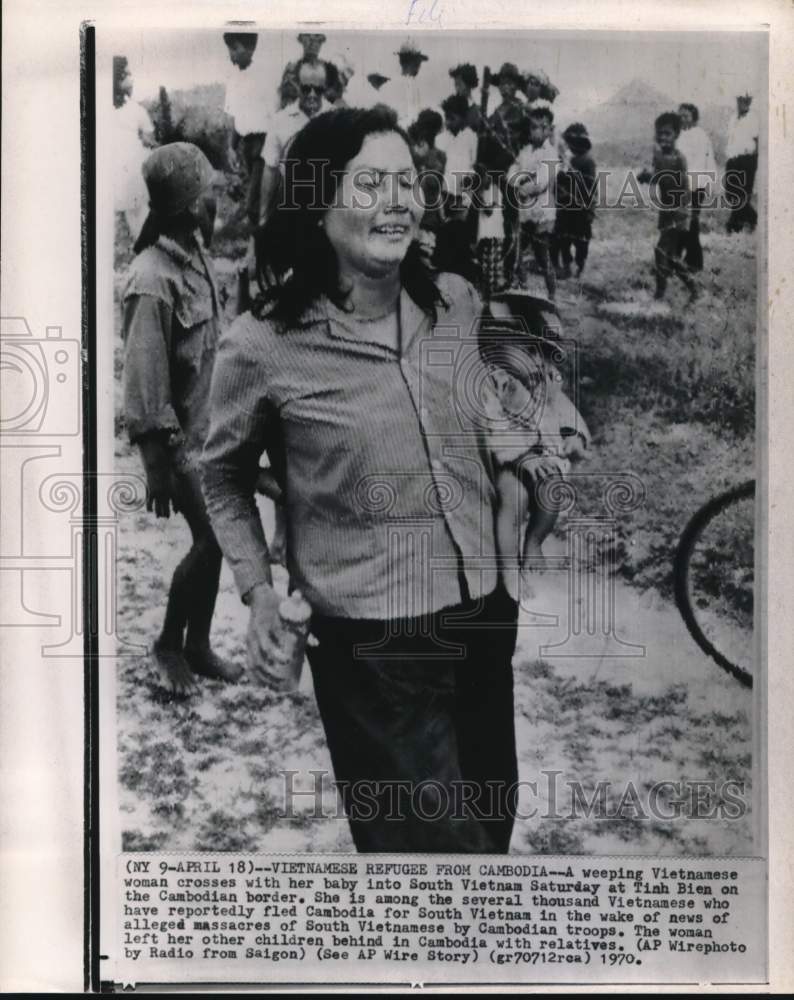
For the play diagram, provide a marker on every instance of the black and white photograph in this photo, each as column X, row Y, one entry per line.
column 438, row 357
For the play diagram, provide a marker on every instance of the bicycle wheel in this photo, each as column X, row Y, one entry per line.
column 714, row 576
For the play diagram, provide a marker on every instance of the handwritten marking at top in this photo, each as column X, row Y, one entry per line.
column 423, row 11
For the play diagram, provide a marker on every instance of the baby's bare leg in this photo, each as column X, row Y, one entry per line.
column 540, row 526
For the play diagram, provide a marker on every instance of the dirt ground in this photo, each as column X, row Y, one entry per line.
column 627, row 706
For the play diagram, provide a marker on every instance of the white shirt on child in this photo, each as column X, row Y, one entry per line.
column 461, row 153
column 541, row 165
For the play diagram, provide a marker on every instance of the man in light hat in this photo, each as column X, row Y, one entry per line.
column 170, row 327
column 741, row 153
column 311, row 43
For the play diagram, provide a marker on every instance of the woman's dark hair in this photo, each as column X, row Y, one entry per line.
column 669, row 119
column 294, row 257
column 692, row 109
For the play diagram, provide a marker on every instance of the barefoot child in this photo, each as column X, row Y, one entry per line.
column 536, row 432
column 575, row 196
column 170, row 319
column 531, row 184
column 670, row 193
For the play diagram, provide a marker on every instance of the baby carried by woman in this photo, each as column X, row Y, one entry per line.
column 535, row 432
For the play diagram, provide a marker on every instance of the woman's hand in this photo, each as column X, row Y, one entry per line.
column 263, row 632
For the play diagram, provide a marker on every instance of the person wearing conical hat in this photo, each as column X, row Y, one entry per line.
column 170, row 327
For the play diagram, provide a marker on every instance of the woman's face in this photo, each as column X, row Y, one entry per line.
column 378, row 208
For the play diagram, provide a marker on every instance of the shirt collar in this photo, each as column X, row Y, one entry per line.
column 294, row 110
column 412, row 319
column 195, row 259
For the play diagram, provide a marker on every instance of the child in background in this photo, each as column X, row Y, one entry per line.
column 536, row 432
column 670, row 191
column 531, row 182
column 458, row 142
column 575, row 201
column 430, row 163
column 171, row 324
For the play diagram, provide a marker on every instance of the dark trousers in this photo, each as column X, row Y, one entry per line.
column 693, row 251
column 252, row 146
column 740, row 179
column 667, row 257
column 418, row 715
column 454, row 251
column 561, row 246
column 535, row 244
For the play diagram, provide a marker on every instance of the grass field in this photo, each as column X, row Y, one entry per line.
column 669, row 394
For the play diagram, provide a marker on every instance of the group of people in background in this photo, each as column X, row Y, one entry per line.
column 508, row 195
column 503, row 195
